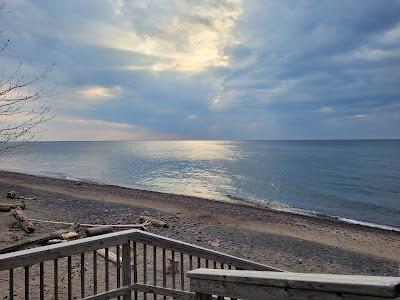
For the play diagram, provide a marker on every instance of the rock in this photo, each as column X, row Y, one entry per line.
column 215, row 243
column 11, row 195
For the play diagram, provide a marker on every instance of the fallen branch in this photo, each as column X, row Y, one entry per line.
column 37, row 240
column 142, row 226
column 8, row 207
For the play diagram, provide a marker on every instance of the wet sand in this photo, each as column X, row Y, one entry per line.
column 280, row 239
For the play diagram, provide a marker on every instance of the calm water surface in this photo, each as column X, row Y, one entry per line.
column 353, row 179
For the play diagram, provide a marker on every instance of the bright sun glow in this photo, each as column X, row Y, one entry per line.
column 192, row 41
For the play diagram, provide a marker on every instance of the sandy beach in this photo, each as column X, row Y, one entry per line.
column 284, row 240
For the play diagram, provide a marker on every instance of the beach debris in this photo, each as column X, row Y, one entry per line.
column 172, row 266
column 215, row 243
column 23, row 220
column 39, row 239
column 112, row 257
column 77, row 183
column 11, row 195
column 27, row 198
column 54, row 241
column 92, row 231
column 142, row 226
column 153, row 221
column 8, row 207
column 70, row 235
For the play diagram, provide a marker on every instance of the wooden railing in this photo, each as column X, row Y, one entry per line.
column 256, row 285
column 147, row 266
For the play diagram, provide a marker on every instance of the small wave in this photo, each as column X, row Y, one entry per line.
column 385, row 227
column 277, row 206
column 60, row 175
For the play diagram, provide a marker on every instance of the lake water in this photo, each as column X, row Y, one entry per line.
column 352, row 179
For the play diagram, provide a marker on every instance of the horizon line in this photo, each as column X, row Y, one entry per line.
column 232, row 140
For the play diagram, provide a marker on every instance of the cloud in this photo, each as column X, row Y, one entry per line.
column 326, row 109
column 67, row 128
column 216, row 69
column 177, row 35
column 98, row 91
column 97, row 123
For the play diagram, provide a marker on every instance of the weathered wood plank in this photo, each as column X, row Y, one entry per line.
column 95, row 272
column 106, row 269
column 26, row 282
column 55, row 273
column 110, row 294
column 154, row 265
column 145, row 268
column 82, row 275
column 135, row 267
column 248, row 291
column 11, row 284
column 347, row 284
column 145, row 288
column 118, row 263
column 200, row 296
column 126, row 267
column 41, row 281
column 179, row 295
column 69, row 267
column 182, row 273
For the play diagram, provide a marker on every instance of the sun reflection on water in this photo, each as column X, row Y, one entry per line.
column 187, row 150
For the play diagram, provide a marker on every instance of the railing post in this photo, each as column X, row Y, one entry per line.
column 126, row 268
column 200, row 296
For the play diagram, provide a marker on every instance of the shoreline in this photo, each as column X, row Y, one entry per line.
column 281, row 239
column 230, row 199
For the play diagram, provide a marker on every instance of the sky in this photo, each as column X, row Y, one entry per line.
column 212, row 69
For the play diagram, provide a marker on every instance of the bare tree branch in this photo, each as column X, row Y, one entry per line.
column 22, row 111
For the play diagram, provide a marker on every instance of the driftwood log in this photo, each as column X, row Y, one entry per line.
column 8, row 207
column 111, row 256
column 98, row 230
column 40, row 239
column 155, row 222
column 23, row 220
column 13, row 195
column 142, row 226
column 70, row 235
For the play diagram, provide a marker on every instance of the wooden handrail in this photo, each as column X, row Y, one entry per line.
column 36, row 255
column 261, row 285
